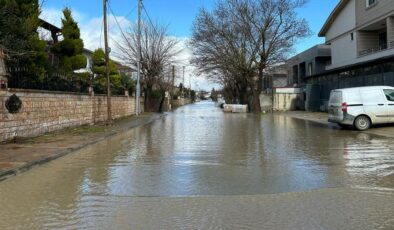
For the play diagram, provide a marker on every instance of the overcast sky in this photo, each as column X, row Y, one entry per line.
column 179, row 14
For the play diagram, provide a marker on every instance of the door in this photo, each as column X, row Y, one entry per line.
column 375, row 105
column 335, row 106
column 389, row 93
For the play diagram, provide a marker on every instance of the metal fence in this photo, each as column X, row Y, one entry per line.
column 378, row 74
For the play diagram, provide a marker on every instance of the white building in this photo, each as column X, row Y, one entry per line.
column 359, row 31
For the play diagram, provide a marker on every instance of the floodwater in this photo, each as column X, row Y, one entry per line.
column 195, row 151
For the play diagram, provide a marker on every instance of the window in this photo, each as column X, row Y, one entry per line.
column 370, row 2
column 336, row 97
column 389, row 94
column 351, row 36
column 372, row 96
column 310, row 69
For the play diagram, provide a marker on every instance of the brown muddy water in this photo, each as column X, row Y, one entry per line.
column 195, row 151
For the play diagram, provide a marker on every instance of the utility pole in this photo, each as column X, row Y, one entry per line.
column 109, row 115
column 183, row 78
column 138, row 103
column 183, row 81
column 173, row 80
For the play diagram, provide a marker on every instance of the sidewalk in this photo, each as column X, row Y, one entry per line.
column 322, row 118
column 25, row 153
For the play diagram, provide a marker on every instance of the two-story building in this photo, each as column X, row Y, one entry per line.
column 308, row 63
column 359, row 31
column 360, row 34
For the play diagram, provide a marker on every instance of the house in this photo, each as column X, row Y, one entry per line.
column 125, row 70
column 89, row 62
column 360, row 34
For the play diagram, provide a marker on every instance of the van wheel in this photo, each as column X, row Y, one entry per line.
column 362, row 123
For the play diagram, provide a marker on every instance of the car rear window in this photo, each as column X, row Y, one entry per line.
column 336, row 97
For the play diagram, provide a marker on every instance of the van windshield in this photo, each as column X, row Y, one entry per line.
column 336, row 97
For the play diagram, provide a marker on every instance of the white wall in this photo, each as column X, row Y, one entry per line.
column 373, row 56
column 344, row 22
column 343, row 50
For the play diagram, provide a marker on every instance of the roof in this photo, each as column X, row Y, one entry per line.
column 87, row 51
column 320, row 50
column 334, row 14
column 48, row 26
column 366, row 87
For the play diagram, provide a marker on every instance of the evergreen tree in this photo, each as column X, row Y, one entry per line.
column 69, row 50
column 27, row 59
column 99, row 70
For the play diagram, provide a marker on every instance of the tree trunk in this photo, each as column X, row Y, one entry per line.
column 256, row 108
column 148, row 99
column 163, row 97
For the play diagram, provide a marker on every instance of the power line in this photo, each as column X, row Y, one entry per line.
column 120, row 28
column 150, row 20
column 125, row 17
column 116, row 20
column 101, row 32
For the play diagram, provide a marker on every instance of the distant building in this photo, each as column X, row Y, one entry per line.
column 125, row 70
column 308, row 63
column 275, row 77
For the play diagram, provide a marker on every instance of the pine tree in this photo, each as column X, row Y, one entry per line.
column 27, row 59
column 118, row 83
column 69, row 50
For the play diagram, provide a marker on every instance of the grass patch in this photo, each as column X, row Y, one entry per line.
column 85, row 129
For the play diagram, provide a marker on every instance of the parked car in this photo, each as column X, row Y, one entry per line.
column 361, row 107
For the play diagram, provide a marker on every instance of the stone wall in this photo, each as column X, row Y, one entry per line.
column 265, row 102
column 47, row 111
column 180, row 102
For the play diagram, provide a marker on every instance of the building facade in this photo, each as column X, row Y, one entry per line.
column 359, row 31
column 308, row 63
column 360, row 34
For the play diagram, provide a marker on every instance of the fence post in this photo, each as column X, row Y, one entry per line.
column 3, row 73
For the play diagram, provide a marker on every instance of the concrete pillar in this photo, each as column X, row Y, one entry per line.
column 299, row 74
column 390, row 32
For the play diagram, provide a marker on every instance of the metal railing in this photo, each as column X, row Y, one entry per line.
column 383, row 47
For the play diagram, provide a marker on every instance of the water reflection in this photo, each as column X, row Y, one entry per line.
column 197, row 150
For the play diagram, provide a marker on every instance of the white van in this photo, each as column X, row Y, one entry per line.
column 361, row 107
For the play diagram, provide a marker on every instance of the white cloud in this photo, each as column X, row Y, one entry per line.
column 54, row 16
column 92, row 35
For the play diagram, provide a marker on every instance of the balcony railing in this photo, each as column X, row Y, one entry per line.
column 383, row 47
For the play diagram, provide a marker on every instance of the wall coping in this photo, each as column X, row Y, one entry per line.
column 15, row 90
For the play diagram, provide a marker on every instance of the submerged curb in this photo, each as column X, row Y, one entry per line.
column 133, row 124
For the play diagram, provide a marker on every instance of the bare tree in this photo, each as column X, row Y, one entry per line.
column 241, row 38
column 158, row 51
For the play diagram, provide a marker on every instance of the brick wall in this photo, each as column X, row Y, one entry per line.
column 46, row 111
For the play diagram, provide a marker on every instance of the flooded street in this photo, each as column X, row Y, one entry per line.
column 197, row 151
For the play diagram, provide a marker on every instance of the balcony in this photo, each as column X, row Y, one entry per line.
column 382, row 47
